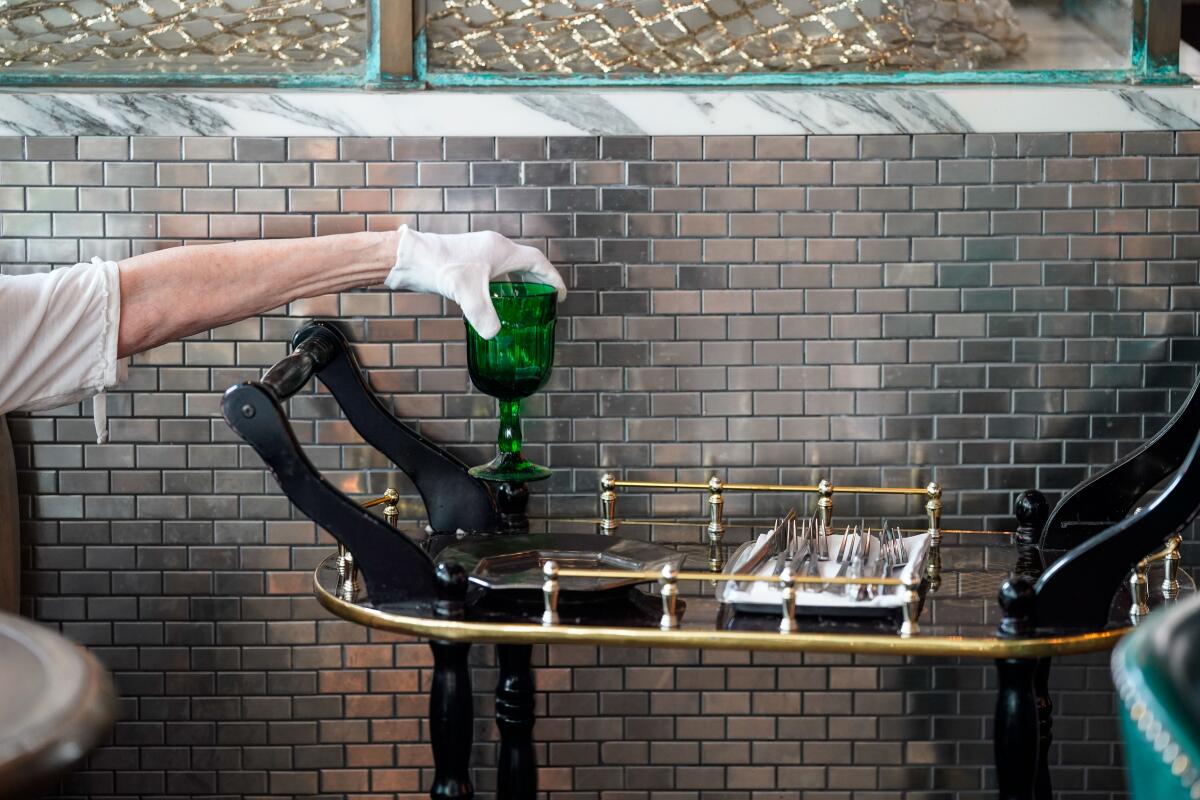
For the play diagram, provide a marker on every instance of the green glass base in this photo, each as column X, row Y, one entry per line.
column 510, row 467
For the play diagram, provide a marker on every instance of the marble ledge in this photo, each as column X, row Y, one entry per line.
column 618, row 112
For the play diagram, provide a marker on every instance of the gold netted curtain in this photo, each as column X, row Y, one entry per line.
column 183, row 35
column 722, row 36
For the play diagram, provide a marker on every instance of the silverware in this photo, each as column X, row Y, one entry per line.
column 881, row 567
column 841, row 553
column 787, row 551
column 821, row 536
column 843, row 556
column 808, row 566
column 768, row 550
column 857, row 557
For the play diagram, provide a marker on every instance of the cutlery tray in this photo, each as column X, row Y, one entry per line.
column 814, row 600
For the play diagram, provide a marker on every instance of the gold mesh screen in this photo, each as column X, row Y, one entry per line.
column 178, row 35
column 722, row 36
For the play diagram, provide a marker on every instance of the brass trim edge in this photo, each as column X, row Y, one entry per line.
column 707, row 639
column 716, row 488
column 765, row 487
column 740, row 523
column 735, row 578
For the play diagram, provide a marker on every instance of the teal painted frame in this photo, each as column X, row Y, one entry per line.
column 367, row 76
column 1153, row 60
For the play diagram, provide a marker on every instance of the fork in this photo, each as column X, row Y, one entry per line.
column 875, row 567
column 887, row 546
column 820, row 539
column 843, row 555
column 857, row 558
column 808, row 564
column 784, row 559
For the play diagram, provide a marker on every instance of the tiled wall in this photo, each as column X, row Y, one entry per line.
column 998, row 312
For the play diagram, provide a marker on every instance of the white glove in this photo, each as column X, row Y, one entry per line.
column 459, row 266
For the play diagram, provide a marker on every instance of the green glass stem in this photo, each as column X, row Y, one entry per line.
column 508, row 440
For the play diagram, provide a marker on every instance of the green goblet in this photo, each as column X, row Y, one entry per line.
column 514, row 364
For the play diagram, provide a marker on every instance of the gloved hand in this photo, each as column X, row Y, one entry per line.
column 459, row 266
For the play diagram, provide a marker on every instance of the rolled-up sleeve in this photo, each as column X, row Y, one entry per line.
column 58, row 337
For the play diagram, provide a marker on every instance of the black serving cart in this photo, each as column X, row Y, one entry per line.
column 1070, row 580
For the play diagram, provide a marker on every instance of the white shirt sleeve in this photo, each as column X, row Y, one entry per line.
column 58, row 338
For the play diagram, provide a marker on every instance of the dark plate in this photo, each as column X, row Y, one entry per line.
column 515, row 562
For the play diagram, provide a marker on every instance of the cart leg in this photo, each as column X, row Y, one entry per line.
column 450, row 721
column 1045, row 711
column 1016, row 732
column 517, row 778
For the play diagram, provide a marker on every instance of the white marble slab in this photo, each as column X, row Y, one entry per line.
column 560, row 112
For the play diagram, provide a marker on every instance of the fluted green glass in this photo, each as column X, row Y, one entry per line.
column 514, row 364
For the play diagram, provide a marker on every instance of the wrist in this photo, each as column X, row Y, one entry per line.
column 379, row 255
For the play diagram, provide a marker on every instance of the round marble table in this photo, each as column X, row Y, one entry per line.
column 56, row 701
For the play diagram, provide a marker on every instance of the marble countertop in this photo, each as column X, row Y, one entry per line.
column 564, row 112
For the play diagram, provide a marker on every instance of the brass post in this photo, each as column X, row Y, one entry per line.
column 933, row 568
column 346, row 569
column 912, row 607
column 391, row 511
column 1139, row 588
column 787, row 620
column 669, row 589
column 1139, row 593
column 1170, row 581
column 716, row 509
column 347, row 574
column 825, row 504
column 933, row 507
column 550, row 593
column 343, row 561
column 608, row 503
column 716, row 557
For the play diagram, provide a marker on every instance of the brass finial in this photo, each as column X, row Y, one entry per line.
column 608, row 503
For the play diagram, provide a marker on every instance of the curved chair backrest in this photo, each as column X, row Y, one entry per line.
column 1157, row 673
column 394, row 567
column 1076, row 590
column 1109, row 496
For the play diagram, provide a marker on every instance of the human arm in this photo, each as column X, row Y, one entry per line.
column 63, row 334
column 169, row 294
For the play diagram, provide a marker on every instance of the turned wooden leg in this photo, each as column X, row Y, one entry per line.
column 517, row 770
column 1016, row 732
column 1045, row 711
column 451, row 721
